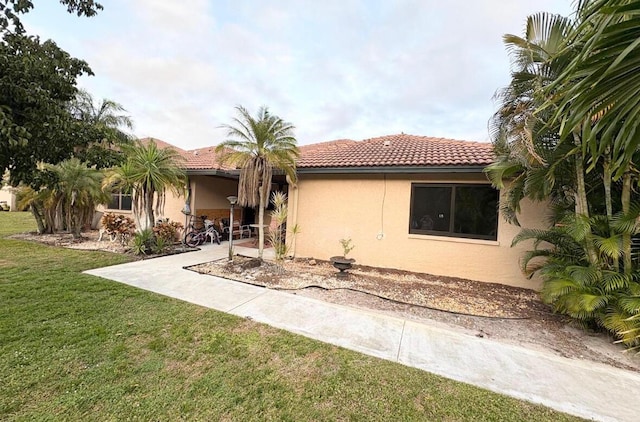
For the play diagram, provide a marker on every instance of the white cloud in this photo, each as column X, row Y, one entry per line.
column 337, row 68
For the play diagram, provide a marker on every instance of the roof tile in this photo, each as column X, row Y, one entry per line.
column 385, row 151
column 395, row 150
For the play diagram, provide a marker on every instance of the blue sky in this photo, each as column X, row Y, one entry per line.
column 335, row 69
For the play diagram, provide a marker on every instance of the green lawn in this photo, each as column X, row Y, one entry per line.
column 73, row 347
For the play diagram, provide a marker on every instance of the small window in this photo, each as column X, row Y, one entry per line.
column 469, row 211
column 120, row 201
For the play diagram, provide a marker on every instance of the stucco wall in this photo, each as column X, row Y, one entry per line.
column 374, row 210
column 7, row 195
column 173, row 205
column 210, row 194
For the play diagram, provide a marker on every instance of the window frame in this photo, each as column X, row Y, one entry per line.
column 120, row 194
column 452, row 211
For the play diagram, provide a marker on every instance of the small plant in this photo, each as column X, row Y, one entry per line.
column 346, row 246
column 143, row 242
column 160, row 245
column 277, row 236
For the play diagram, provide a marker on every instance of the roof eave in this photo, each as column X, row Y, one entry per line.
column 230, row 174
column 391, row 169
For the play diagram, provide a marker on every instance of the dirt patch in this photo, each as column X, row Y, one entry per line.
column 88, row 241
column 508, row 314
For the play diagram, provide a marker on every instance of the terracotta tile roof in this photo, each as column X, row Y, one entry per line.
column 161, row 144
column 205, row 159
column 386, row 151
column 396, row 150
column 195, row 159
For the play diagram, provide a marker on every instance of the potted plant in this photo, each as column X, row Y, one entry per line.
column 343, row 263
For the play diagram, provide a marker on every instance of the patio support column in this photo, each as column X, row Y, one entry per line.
column 232, row 200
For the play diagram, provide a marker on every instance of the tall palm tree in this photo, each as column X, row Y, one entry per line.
column 602, row 84
column 148, row 172
column 257, row 145
column 528, row 149
column 106, row 124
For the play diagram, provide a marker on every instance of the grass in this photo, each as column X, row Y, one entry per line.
column 74, row 346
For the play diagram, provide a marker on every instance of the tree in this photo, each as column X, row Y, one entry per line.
column 78, row 190
column 257, row 145
column 10, row 9
column 527, row 148
column 37, row 82
column 106, row 125
column 566, row 106
column 602, row 86
column 148, row 173
column 68, row 199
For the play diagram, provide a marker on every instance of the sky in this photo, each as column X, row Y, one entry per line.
column 335, row 69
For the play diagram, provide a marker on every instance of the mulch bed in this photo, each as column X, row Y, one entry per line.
column 434, row 292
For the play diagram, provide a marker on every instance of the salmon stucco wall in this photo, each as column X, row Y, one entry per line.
column 373, row 210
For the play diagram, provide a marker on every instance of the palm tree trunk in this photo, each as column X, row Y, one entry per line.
column 76, row 225
column 149, row 207
column 37, row 214
column 626, row 236
column 261, row 224
column 582, row 206
column 607, row 176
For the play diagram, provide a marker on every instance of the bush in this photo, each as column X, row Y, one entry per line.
column 160, row 245
column 118, row 227
column 168, row 231
column 143, row 242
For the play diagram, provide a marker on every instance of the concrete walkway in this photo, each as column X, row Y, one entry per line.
column 582, row 388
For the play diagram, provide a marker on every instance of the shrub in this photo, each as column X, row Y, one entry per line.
column 600, row 294
column 277, row 235
column 168, row 231
column 118, row 227
column 160, row 245
column 143, row 242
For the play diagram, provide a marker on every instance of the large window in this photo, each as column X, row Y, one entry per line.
column 120, row 201
column 454, row 210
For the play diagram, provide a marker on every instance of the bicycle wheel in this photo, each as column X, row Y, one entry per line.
column 193, row 239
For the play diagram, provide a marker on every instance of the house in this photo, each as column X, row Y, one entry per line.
column 407, row 202
column 209, row 183
column 8, row 197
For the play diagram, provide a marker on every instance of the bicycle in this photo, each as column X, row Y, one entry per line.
column 197, row 237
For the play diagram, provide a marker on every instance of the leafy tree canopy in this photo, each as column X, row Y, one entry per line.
column 37, row 84
column 11, row 9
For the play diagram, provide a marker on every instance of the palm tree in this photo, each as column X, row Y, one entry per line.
column 106, row 124
column 69, row 198
column 602, row 84
column 528, row 150
column 78, row 189
column 257, row 145
column 148, row 173
column 107, row 113
column 27, row 197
